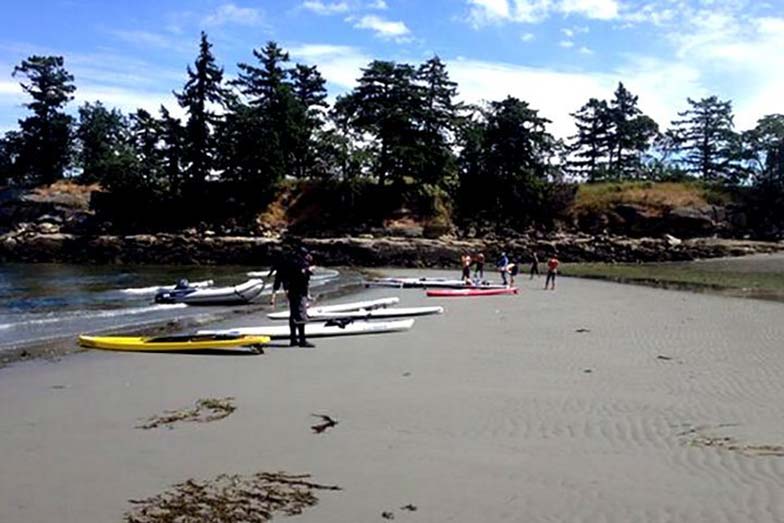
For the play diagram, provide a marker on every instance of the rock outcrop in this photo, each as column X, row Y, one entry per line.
column 36, row 243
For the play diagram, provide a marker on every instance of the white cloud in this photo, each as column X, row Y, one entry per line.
column 527, row 37
column 585, row 50
column 596, row 9
column 483, row 12
column 321, row 8
column 378, row 4
column 383, row 28
column 566, row 44
column 233, row 14
column 340, row 65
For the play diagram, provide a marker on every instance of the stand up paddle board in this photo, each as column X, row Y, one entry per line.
column 321, row 330
column 363, row 314
column 455, row 293
column 341, row 307
column 183, row 342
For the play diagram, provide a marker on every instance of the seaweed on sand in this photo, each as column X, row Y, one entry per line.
column 229, row 499
column 206, row 410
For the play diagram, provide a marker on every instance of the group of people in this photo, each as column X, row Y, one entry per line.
column 508, row 269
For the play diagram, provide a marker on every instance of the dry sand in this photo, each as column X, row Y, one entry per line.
column 500, row 410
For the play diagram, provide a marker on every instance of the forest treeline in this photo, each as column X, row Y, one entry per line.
column 401, row 131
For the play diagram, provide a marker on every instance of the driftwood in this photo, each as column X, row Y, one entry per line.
column 327, row 423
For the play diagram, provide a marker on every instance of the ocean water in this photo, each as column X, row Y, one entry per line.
column 40, row 303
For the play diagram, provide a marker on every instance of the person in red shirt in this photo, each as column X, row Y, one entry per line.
column 552, row 270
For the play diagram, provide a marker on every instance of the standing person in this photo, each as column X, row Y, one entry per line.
column 296, row 280
column 465, row 261
column 514, row 269
column 278, row 269
column 479, row 271
column 534, row 265
column 552, row 270
column 502, row 266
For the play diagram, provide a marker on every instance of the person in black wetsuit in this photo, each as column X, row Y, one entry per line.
column 295, row 278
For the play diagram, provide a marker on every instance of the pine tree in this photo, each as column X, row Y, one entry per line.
column 706, row 138
column 438, row 120
column 310, row 101
column 387, row 106
column 266, row 151
column 46, row 135
column 590, row 146
column 172, row 137
column 103, row 139
column 203, row 90
column 630, row 134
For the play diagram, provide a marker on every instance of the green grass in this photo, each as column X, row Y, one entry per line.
column 741, row 280
column 593, row 197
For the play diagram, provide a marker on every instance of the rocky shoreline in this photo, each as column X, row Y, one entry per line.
column 41, row 246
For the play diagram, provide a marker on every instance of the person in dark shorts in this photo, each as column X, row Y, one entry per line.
column 277, row 269
column 534, row 265
column 296, row 280
column 479, row 271
column 465, row 261
column 502, row 265
column 514, row 270
column 552, row 270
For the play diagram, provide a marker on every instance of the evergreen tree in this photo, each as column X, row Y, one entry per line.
column 630, row 134
column 10, row 150
column 266, row 151
column 386, row 105
column 310, row 101
column 764, row 148
column 203, row 90
column 172, row 143
column 46, row 135
column 438, row 120
column 590, row 146
column 706, row 138
column 504, row 164
column 102, row 142
column 148, row 141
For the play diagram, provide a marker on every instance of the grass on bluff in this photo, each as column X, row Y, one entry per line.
column 596, row 197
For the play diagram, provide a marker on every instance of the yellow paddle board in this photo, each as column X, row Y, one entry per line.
column 182, row 342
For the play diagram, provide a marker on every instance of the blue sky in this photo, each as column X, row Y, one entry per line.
column 555, row 54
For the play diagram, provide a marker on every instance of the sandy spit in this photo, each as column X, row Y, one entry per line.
column 595, row 403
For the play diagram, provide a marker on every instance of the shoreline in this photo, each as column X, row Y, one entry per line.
column 542, row 404
column 60, row 347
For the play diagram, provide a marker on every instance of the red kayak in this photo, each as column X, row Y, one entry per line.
column 456, row 293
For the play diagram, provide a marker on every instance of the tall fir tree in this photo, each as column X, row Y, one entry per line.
column 310, row 94
column 630, row 134
column 706, row 138
column 265, row 152
column 203, row 91
column 103, row 143
column 439, row 120
column 590, row 146
column 46, row 136
column 172, row 143
column 386, row 106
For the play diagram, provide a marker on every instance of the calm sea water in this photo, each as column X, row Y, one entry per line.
column 44, row 302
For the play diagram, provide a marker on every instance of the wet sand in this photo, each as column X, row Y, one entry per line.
column 596, row 402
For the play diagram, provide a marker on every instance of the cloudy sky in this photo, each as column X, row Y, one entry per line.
column 555, row 54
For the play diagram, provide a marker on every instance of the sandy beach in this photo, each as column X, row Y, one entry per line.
column 598, row 402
